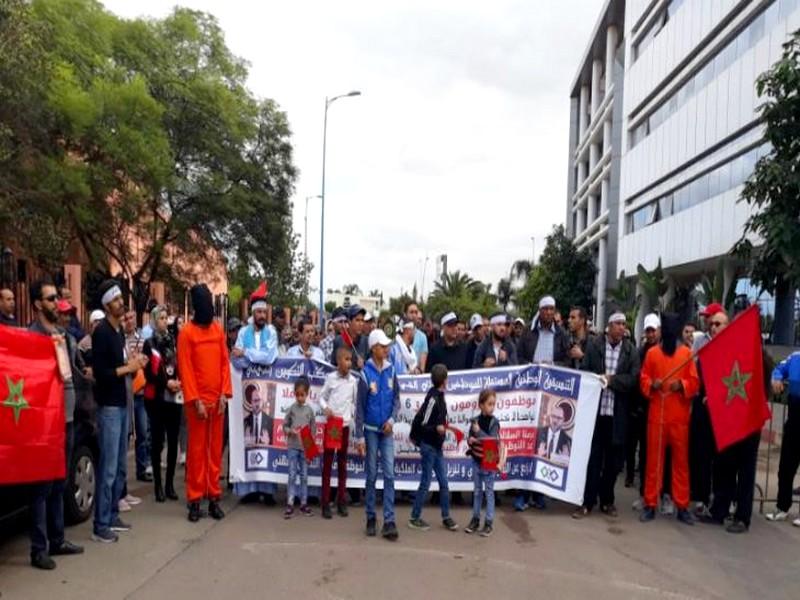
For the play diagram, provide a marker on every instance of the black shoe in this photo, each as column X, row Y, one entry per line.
column 487, row 529
column 371, row 527
column 159, row 492
column 737, row 527
column 609, row 510
column 194, row 512
column 389, row 531
column 474, row 525
column 685, row 517
column 43, row 561
column 326, row 511
column 709, row 519
column 648, row 514
column 146, row 477
column 449, row 524
column 341, row 508
column 169, row 491
column 269, row 500
column 120, row 525
column 215, row 511
column 581, row 512
column 66, row 549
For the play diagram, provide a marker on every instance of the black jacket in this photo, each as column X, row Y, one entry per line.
column 168, row 369
column 575, row 363
column 107, row 355
column 453, row 357
column 486, row 350
column 530, row 340
column 625, row 384
column 434, row 401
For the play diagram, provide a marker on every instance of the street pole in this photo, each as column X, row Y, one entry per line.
column 305, row 243
column 328, row 102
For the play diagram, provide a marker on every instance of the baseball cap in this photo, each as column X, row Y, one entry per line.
column 355, row 310
column 368, row 316
column 520, row 320
column 448, row 319
column 64, row 306
column 378, row 338
column 234, row 324
column 652, row 321
column 475, row 321
column 712, row 309
column 339, row 314
column 96, row 315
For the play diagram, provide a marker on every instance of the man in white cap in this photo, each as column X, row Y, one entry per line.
column 369, row 323
column 615, row 359
column 545, row 342
column 496, row 350
column 448, row 351
column 402, row 354
column 477, row 332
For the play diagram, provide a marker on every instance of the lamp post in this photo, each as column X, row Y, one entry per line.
column 328, row 102
column 305, row 242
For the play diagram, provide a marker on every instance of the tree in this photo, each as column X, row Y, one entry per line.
column 505, row 292
column 566, row 273
column 773, row 190
column 458, row 292
column 521, row 270
column 351, row 289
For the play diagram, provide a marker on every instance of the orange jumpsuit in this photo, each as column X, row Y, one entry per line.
column 205, row 376
column 668, row 422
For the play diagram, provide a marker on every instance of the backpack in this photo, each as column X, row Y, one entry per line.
column 415, row 435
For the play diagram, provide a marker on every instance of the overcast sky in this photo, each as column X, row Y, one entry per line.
column 458, row 144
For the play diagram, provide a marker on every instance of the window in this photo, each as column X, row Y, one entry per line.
column 655, row 26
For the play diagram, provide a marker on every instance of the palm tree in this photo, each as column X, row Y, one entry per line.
column 456, row 283
column 351, row 289
column 505, row 292
column 521, row 270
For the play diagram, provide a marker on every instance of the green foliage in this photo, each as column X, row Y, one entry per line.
column 566, row 273
column 458, row 292
column 330, row 306
column 396, row 304
column 505, row 292
column 654, row 286
column 714, row 290
column 623, row 297
column 774, row 187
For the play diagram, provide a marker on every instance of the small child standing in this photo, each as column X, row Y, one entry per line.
column 484, row 426
column 338, row 399
column 432, row 429
column 298, row 416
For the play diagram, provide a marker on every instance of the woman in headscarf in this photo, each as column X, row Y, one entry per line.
column 161, row 403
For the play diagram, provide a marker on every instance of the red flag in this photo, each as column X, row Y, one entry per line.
column 31, row 408
column 347, row 339
column 309, row 445
column 733, row 373
column 456, row 432
column 260, row 292
column 333, row 433
column 491, row 454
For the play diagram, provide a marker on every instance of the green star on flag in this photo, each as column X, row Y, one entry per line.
column 735, row 382
column 15, row 401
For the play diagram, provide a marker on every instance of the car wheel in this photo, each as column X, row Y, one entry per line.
column 79, row 492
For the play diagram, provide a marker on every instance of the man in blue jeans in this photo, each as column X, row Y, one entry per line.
column 112, row 371
column 376, row 410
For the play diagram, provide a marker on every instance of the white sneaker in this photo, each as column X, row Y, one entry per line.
column 149, row 471
column 796, row 522
column 667, row 506
column 182, row 458
column 638, row 504
column 133, row 500
column 778, row 515
column 123, row 506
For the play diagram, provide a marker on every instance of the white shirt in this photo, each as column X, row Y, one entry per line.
column 339, row 394
column 297, row 352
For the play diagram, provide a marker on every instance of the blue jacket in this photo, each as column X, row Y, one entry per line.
column 789, row 371
column 378, row 397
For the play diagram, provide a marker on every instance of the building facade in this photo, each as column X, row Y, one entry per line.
column 690, row 133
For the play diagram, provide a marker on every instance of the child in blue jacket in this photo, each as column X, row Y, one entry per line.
column 787, row 375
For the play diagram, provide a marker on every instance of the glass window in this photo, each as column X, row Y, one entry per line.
column 742, row 43
column 681, row 199
column 724, row 177
column 665, row 206
column 713, row 183
column 757, row 28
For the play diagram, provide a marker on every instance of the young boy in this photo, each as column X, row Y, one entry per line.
column 298, row 416
column 434, row 426
column 485, row 426
column 376, row 411
column 338, row 399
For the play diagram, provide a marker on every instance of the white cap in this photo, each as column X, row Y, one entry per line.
column 377, row 337
column 547, row 302
column 368, row 316
column 97, row 315
column 520, row 320
column 617, row 317
column 448, row 319
column 474, row 321
column 652, row 321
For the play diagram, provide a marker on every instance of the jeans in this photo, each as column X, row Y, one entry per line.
column 47, row 506
column 298, row 467
column 112, row 422
column 484, row 484
column 432, row 459
column 142, row 432
column 376, row 442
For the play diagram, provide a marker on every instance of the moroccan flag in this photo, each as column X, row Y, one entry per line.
column 456, row 432
column 309, row 445
column 491, row 454
column 31, row 408
column 733, row 374
column 333, row 433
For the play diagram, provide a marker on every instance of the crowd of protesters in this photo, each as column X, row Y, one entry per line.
column 170, row 383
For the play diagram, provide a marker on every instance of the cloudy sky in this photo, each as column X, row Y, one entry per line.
column 457, row 144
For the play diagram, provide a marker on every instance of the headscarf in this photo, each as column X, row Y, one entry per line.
column 670, row 333
column 162, row 340
column 202, row 303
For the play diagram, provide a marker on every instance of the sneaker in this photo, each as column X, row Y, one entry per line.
column 777, row 515
column 288, row 512
column 520, row 505
column 418, row 524
column 796, row 522
column 487, row 529
column 371, row 527
column 123, row 506
column 610, row 511
column 341, row 508
column 133, row 500
column 66, row 549
column 648, row 514
column 737, row 527
column 182, row 459
column 449, row 524
column 42, row 560
column 326, row 511
column 667, row 506
column 709, row 519
column 149, row 470
column 538, row 502
column 638, row 504
column 389, row 531
column 685, row 517
column 120, row 525
column 105, row 537
column 581, row 513
column 474, row 525
column 306, row 511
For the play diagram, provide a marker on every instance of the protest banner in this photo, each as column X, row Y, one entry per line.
column 546, row 413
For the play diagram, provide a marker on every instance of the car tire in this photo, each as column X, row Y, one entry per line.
column 80, row 489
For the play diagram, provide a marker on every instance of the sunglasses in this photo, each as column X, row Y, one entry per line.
column 717, row 324
column 51, row 298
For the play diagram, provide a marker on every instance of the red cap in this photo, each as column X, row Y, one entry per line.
column 712, row 309
column 64, row 306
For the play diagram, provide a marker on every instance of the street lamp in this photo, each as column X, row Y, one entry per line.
column 305, row 243
column 328, row 102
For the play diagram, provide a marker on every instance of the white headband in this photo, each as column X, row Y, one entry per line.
column 547, row 302
column 110, row 295
column 258, row 304
column 498, row 320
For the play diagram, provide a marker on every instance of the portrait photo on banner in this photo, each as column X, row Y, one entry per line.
column 258, row 407
column 555, row 429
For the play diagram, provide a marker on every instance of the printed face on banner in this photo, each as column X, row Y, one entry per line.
column 554, row 433
column 258, row 404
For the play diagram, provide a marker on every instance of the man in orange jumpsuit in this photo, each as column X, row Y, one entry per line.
column 669, row 381
column 206, row 381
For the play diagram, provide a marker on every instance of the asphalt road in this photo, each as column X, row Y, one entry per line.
column 254, row 552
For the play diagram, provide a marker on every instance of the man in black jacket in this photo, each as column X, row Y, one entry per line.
column 545, row 342
column 448, row 351
column 615, row 359
column 579, row 336
column 496, row 350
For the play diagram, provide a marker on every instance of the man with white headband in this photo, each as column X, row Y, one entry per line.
column 112, row 371
column 256, row 343
column 402, row 354
column 545, row 342
column 448, row 351
column 496, row 350
column 614, row 358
